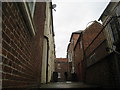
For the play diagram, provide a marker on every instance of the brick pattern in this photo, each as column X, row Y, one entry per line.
column 98, row 65
column 101, row 73
column 39, row 19
column 95, row 44
column 62, row 68
column 88, row 36
column 99, row 53
column 75, row 38
column 16, row 48
column 90, row 33
column 78, row 60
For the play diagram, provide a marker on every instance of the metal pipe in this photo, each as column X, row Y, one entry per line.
column 47, row 58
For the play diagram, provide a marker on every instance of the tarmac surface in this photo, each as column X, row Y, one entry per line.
column 67, row 84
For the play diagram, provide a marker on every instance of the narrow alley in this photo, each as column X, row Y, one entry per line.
column 30, row 59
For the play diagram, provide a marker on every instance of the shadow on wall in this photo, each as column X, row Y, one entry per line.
column 55, row 77
column 74, row 77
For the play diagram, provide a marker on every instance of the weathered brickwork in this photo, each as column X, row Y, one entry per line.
column 102, row 73
column 39, row 19
column 78, row 60
column 75, row 38
column 61, row 66
column 20, row 67
column 89, row 49
column 90, row 33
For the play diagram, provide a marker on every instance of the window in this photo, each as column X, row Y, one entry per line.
column 31, row 6
column 58, row 66
column 115, row 26
column 81, row 44
column 73, row 70
column 118, row 10
column 93, row 58
column 59, row 75
column 28, row 15
column 69, row 57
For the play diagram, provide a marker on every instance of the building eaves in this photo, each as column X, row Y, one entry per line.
column 78, row 40
column 52, row 19
column 107, row 10
column 68, row 47
column 76, row 32
column 61, row 59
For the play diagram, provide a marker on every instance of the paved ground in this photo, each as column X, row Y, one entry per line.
column 67, row 84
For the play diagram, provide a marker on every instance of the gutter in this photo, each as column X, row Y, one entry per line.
column 84, row 59
column 52, row 19
column 47, row 58
column 77, row 40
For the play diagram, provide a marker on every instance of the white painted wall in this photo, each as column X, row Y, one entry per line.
column 44, row 60
column 48, row 32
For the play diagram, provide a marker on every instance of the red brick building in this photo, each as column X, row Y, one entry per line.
column 70, row 50
column 89, row 49
column 92, row 38
column 61, row 66
column 78, row 57
column 94, row 52
column 22, row 43
column 98, row 66
column 110, row 65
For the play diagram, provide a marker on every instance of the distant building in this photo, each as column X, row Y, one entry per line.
column 61, row 66
column 70, row 50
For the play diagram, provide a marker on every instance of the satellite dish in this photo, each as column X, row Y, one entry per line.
column 53, row 6
column 89, row 23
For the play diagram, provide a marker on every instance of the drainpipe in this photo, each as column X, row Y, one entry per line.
column 84, row 59
column 47, row 58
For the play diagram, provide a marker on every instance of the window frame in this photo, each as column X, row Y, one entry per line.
column 27, row 17
column 31, row 7
column 115, row 27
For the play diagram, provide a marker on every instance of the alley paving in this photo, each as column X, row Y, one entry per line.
column 67, row 84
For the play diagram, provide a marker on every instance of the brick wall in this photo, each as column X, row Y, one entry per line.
column 19, row 49
column 98, row 67
column 102, row 73
column 62, row 68
column 88, row 36
column 93, row 37
column 90, row 33
column 95, row 43
column 39, row 19
column 75, row 38
column 78, row 60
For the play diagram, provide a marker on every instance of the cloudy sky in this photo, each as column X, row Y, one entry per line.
column 71, row 16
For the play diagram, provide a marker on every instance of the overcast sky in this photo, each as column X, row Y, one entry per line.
column 73, row 16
